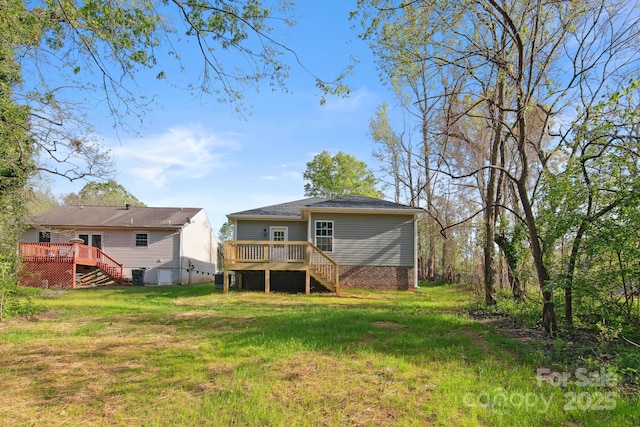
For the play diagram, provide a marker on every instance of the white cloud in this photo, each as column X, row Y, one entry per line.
column 180, row 152
column 293, row 175
column 353, row 103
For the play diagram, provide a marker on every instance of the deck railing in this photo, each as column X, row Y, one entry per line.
column 323, row 264
column 238, row 252
column 71, row 253
column 243, row 253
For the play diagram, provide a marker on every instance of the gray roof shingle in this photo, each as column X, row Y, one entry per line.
column 360, row 202
column 294, row 209
column 289, row 209
column 114, row 216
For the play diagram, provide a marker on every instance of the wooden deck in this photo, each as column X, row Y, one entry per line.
column 267, row 256
column 55, row 264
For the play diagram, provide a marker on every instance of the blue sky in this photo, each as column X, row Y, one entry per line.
column 194, row 152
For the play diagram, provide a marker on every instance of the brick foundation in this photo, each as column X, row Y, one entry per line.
column 376, row 277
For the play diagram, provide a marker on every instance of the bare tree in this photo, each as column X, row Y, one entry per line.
column 521, row 66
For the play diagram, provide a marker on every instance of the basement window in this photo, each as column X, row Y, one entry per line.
column 141, row 240
column 324, row 235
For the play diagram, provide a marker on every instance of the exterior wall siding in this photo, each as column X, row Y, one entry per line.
column 162, row 252
column 254, row 230
column 373, row 240
column 198, row 246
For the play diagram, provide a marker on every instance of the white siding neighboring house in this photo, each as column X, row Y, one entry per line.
column 166, row 245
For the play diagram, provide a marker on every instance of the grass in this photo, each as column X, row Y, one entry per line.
column 159, row 356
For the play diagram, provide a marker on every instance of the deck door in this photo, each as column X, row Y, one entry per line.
column 94, row 240
column 278, row 252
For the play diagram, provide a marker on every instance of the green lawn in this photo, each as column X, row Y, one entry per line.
column 194, row 356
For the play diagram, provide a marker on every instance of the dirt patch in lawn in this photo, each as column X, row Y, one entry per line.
column 388, row 325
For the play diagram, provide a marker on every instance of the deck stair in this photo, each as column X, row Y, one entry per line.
column 269, row 255
column 93, row 278
column 65, row 265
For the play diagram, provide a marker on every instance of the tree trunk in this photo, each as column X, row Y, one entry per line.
column 490, row 208
column 548, row 311
column 512, row 265
column 568, row 290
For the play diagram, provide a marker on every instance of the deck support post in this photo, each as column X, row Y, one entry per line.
column 225, row 281
column 266, row 256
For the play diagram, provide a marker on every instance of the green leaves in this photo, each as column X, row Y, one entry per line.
column 337, row 176
column 108, row 193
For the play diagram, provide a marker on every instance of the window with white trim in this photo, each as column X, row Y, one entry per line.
column 141, row 240
column 324, row 235
column 44, row 236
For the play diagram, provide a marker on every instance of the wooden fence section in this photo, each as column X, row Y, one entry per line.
column 54, row 264
column 282, row 255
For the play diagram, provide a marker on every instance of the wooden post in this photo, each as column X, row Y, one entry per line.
column 307, row 281
column 267, row 279
column 225, row 281
column 74, row 270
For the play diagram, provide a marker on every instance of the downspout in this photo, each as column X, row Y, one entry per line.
column 415, row 251
column 180, row 256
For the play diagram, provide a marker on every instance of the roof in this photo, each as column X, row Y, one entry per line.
column 114, row 216
column 289, row 209
column 360, row 202
column 297, row 209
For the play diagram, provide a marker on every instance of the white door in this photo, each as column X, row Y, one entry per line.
column 165, row 276
column 278, row 252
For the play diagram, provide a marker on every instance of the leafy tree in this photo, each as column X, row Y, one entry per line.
column 396, row 157
column 224, row 233
column 519, row 69
column 592, row 204
column 339, row 175
column 108, row 193
column 16, row 158
column 40, row 199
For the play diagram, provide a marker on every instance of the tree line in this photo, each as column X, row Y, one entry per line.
column 519, row 135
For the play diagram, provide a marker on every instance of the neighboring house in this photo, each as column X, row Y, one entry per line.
column 347, row 242
column 74, row 244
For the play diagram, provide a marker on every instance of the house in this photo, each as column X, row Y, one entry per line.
column 317, row 243
column 72, row 245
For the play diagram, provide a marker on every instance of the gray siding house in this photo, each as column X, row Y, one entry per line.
column 347, row 242
column 160, row 245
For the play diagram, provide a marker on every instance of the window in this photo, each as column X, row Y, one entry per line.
column 44, row 236
column 324, row 235
column 141, row 240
